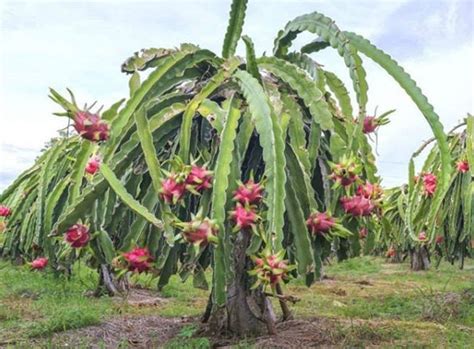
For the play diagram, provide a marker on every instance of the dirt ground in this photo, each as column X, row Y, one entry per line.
column 153, row 332
column 143, row 332
column 127, row 332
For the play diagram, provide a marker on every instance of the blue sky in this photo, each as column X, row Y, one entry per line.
column 82, row 44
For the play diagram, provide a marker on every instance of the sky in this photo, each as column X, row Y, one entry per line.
column 82, row 44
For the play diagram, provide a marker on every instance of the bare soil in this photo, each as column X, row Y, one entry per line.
column 127, row 332
column 142, row 332
column 138, row 297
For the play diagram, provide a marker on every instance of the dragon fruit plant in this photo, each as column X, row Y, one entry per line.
column 252, row 167
column 425, row 220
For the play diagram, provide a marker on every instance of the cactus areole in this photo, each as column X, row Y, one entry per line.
column 250, row 168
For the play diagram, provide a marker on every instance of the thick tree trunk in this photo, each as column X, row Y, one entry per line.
column 247, row 312
column 419, row 258
column 109, row 284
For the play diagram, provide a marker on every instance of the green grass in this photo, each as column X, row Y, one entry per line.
column 186, row 300
column 365, row 300
column 355, row 267
column 185, row 340
column 35, row 304
column 366, row 288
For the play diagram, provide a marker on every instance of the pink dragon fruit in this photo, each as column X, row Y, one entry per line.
column 370, row 191
column 372, row 123
column 138, row 260
column 320, row 222
column 200, row 231
column 439, row 239
column 278, row 269
column 429, row 184
column 363, row 233
column 5, row 211
column 357, row 206
column 93, row 165
column 172, row 190
column 244, row 217
column 259, row 262
column 77, row 236
column 391, row 252
column 462, row 166
column 91, row 126
column 270, row 269
column 345, row 173
column 199, row 178
column 39, row 263
column 422, row 236
column 249, row 193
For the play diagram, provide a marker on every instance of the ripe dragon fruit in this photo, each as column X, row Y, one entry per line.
column 429, row 184
column 5, row 211
column 363, row 232
column 39, row 263
column 244, row 217
column 344, row 173
column 93, row 165
column 462, row 166
column 91, row 126
column 200, row 231
column 357, row 206
column 372, row 123
column 439, row 239
column 77, row 236
column 391, row 252
column 249, row 193
column 270, row 269
column 422, row 236
column 370, row 191
column 172, row 189
column 199, row 178
column 320, row 222
column 138, row 260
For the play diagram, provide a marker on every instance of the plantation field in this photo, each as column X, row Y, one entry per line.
column 363, row 302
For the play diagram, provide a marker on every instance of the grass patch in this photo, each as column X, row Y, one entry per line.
column 63, row 320
column 362, row 266
column 39, row 304
column 358, row 335
column 185, row 340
